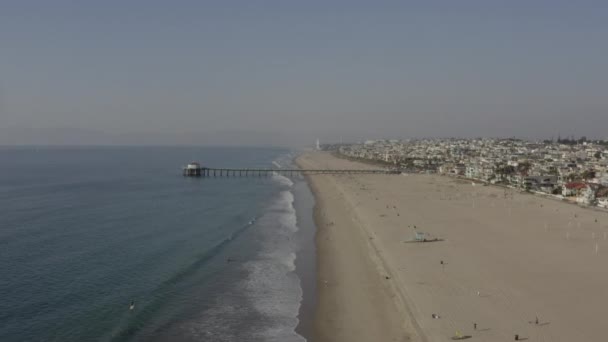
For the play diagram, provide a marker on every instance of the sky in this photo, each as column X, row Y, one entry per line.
column 285, row 73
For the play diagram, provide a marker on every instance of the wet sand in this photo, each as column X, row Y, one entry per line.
column 507, row 259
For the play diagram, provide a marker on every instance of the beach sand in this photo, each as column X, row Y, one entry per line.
column 508, row 258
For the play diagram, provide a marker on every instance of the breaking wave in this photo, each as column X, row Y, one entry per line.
column 272, row 284
column 282, row 179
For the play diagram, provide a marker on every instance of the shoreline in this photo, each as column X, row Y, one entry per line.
column 357, row 305
column 305, row 262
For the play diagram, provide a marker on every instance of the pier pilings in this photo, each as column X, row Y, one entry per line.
column 247, row 172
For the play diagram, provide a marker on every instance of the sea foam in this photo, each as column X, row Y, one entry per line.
column 272, row 285
column 282, row 179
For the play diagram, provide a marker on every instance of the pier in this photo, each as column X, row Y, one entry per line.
column 195, row 170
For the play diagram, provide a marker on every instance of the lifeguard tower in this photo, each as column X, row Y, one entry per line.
column 420, row 236
column 423, row 237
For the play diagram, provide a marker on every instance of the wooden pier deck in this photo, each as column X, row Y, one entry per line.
column 257, row 172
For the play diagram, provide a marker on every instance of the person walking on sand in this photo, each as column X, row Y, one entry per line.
column 474, row 326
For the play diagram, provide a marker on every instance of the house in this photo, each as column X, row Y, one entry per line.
column 602, row 178
column 459, row 169
column 573, row 189
column 446, row 168
column 540, row 183
column 602, row 197
column 472, row 171
column 587, row 195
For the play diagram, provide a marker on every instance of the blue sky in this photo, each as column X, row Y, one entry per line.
column 287, row 72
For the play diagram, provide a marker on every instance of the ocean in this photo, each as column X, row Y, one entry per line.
column 86, row 231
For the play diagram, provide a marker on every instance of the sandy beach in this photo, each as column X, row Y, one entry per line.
column 505, row 259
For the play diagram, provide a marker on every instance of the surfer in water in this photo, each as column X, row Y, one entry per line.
column 132, row 305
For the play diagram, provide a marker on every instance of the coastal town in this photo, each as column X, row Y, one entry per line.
column 574, row 170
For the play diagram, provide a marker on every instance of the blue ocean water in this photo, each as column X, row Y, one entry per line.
column 84, row 231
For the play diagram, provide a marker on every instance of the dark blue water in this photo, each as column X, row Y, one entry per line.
column 83, row 232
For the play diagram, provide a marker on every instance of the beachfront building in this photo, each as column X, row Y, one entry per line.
column 544, row 184
column 564, row 167
column 459, row 170
column 587, row 195
column 573, row 189
column 472, row 171
column 601, row 196
column 446, row 168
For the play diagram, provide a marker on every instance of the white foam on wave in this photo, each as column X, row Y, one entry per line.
column 271, row 284
column 212, row 324
column 275, row 292
column 290, row 262
column 282, row 179
column 270, row 293
column 263, row 303
column 288, row 219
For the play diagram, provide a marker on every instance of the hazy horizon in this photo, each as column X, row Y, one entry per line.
column 67, row 137
column 278, row 73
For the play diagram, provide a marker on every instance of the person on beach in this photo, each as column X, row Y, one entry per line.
column 474, row 326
